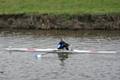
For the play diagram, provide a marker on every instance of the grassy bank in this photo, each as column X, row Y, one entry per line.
column 59, row 6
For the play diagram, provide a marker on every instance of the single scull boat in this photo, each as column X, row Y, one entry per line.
column 57, row 50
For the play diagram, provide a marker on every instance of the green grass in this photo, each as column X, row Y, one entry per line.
column 59, row 6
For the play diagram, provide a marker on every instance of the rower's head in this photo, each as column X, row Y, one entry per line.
column 61, row 39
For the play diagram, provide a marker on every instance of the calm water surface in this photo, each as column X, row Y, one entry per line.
column 24, row 66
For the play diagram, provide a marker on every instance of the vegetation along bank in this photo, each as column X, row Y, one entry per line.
column 45, row 21
column 60, row 14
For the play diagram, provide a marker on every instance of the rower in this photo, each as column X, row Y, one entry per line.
column 63, row 45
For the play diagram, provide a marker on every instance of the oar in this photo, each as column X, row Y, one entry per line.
column 39, row 55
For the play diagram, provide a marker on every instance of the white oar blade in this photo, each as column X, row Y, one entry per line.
column 38, row 56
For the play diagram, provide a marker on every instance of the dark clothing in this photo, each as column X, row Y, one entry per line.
column 63, row 45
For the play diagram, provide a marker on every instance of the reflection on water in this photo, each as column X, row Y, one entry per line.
column 21, row 65
column 62, row 57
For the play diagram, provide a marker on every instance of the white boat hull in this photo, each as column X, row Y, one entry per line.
column 56, row 50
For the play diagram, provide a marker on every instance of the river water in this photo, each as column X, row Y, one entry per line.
column 24, row 65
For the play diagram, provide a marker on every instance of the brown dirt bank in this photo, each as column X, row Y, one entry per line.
column 63, row 21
